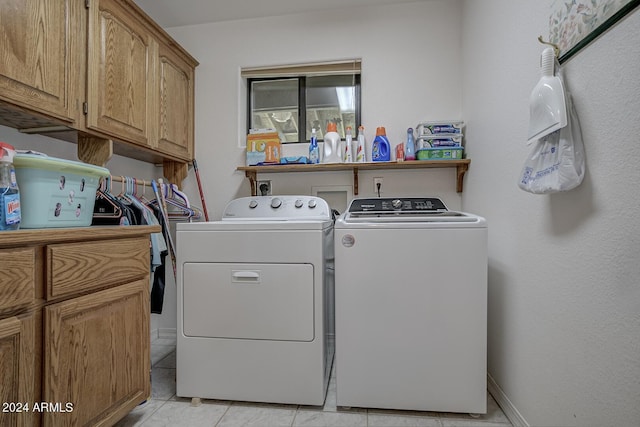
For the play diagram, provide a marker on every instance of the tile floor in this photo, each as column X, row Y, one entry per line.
column 166, row 409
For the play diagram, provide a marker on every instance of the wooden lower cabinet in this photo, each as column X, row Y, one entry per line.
column 19, row 373
column 74, row 344
column 96, row 360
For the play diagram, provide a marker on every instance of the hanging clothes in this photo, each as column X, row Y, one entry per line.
column 159, row 273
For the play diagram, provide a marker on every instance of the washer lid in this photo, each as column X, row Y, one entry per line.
column 418, row 210
column 397, row 205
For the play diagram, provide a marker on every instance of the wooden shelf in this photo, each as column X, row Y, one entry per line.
column 251, row 172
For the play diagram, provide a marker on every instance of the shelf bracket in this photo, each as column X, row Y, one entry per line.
column 253, row 177
column 175, row 172
column 355, row 181
column 461, row 169
column 95, row 151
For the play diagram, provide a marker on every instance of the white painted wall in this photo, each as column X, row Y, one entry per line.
column 564, row 300
column 411, row 71
column 118, row 165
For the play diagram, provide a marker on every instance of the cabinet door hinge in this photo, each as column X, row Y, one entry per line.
column 85, row 108
column 86, row 4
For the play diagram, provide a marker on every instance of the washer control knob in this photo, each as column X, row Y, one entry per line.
column 396, row 203
column 312, row 204
column 299, row 203
column 276, row 203
column 253, row 204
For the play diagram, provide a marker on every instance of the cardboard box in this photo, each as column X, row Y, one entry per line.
column 263, row 148
column 440, row 153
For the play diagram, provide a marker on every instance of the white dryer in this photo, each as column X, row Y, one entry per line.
column 255, row 302
column 411, row 306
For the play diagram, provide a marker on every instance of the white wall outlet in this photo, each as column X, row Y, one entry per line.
column 377, row 186
column 264, row 188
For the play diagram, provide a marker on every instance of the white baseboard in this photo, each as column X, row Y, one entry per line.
column 510, row 411
column 163, row 333
column 167, row 333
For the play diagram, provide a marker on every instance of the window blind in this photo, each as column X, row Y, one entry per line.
column 352, row 66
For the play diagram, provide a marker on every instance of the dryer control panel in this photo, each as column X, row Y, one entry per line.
column 277, row 208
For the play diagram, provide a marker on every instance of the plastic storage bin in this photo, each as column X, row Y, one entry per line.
column 56, row 192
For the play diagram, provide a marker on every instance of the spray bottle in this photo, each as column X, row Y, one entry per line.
column 410, row 146
column 360, row 146
column 314, row 151
column 348, row 156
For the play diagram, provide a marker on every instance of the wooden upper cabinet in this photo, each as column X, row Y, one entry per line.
column 175, row 103
column 121, row 74
column 100, row 67
column 39, row 59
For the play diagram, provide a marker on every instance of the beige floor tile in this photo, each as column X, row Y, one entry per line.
column 380, row 420
column 305, row 418
column 163, row 383
column 140, row 414
column 182, row 414
column 259, row 416
column 159, row 352
column 493, row 416
column 169, row 361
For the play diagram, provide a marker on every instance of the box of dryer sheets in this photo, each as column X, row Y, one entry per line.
column 263, row 148
column 56, row 192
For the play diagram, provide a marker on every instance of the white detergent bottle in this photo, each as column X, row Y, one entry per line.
column 332, row 146
column 359, row 153
column 348, row 155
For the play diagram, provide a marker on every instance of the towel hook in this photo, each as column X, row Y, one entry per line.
column 555, row 47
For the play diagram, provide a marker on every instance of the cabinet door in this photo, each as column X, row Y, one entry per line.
column 175, row 104
column 18, row 371
column 97, row 355
column 36, row 42
column 120, row 72
column 17, row 278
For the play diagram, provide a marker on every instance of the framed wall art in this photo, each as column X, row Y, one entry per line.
column 573, row 24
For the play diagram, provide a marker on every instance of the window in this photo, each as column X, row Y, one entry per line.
column 295, row 99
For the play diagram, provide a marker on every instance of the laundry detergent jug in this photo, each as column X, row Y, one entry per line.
column 332, row 146
column 381, row 149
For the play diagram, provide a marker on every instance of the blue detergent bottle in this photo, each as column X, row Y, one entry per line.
column 380, row 148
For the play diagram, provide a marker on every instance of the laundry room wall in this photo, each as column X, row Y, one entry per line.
column 410, row 72
column 118, row 165
column 564, row 300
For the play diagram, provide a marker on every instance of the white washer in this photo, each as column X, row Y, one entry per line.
column 255, row 302
column 411, row 306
